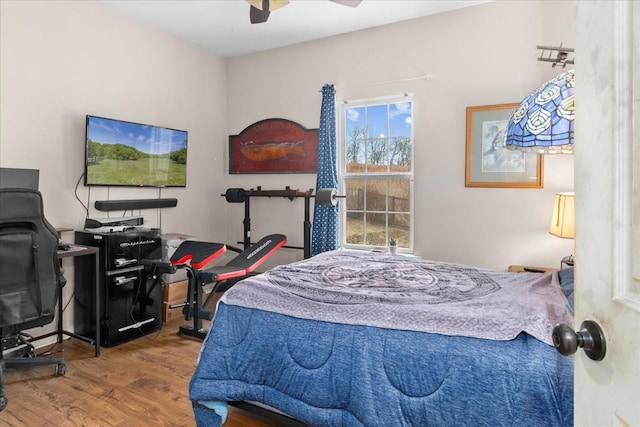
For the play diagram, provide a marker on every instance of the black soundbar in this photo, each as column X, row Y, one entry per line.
column 123, row 205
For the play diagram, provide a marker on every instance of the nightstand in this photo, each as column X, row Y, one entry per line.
column 529, row 269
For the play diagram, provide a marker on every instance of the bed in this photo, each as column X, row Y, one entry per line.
column 353, row 338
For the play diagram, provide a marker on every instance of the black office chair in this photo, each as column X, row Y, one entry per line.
column 29, row 279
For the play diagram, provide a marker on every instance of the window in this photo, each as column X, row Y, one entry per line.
column 377, row 172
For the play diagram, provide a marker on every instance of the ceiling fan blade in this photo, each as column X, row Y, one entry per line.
column 257, row 16
column 350, row 3
column 271, row 5
column 260, row 9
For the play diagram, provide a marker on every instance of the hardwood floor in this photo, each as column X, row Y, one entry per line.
column 143, row 382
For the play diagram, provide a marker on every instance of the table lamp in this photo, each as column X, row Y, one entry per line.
column 562, row 220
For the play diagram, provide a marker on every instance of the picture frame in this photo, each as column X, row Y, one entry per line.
column 488, row 162
column 274, row 146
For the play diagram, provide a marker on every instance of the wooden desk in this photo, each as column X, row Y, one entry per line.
column 75, row 251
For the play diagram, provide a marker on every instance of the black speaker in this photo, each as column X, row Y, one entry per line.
column 130, row 304
column 123, row 205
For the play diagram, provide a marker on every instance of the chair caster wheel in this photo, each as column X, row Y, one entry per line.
column 3, row 403
column 61, row 369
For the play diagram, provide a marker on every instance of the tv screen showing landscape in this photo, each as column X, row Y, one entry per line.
column 121, row 153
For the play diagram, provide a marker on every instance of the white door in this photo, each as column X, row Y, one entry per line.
column 607, row 187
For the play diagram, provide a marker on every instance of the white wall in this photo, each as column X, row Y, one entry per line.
column 62, row 60
column 481, row 55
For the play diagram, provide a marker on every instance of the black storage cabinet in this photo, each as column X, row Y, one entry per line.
column 130, row 305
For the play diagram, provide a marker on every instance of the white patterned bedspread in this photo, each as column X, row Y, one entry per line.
column 408, row 293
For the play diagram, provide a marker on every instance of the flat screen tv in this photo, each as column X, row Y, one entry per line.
column 120, row 153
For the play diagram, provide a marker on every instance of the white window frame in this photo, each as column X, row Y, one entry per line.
column 342, row 175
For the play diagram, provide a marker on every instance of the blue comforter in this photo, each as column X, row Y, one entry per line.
column 340, row 374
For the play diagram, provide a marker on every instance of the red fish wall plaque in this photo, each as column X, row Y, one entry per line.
column 274, row 146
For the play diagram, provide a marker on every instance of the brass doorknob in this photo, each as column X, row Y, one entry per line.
column 590, row 338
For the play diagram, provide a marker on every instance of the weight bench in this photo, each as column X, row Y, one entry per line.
column 199, row 254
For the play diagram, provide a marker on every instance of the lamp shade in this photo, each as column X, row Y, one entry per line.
column 562, row 220
column 543, row 122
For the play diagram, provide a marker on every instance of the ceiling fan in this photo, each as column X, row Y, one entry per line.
column 260, row 9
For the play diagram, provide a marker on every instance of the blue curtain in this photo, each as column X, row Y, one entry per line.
column 325, row 218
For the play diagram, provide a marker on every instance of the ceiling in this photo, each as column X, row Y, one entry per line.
column 223, row 27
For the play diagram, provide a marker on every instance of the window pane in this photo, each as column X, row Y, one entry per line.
column 378, row 121
column 355, row 160
column 376, row 229
column 355, row 123
column 376, row 150
column 400, row 125
column 376, row 195
column 355, row 194
column 355, row 119
column 400, row 118
column 399, row 190
column 399, row 226
column 400, row 154
column 355, row 228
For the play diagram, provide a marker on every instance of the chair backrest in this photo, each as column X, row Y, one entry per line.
column 29, row 265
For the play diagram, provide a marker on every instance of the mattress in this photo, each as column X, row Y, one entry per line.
column 339, row 340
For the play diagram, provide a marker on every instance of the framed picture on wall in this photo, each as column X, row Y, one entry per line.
column 488, row 162
column 274, row 146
